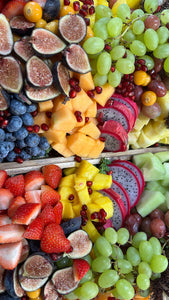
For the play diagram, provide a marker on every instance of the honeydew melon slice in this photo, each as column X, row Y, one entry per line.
column 140, row 159
column 153, row 169
column 155, row 186
column 149, row 200
column 163, row 156
column 165, row 181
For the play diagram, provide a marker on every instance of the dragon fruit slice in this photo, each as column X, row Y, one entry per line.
column 134, row 169
column 128, row 180
column 119, row 211
column 116, row 138
column 118, row 188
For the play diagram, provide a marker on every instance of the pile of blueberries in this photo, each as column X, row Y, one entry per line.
column 17, row 143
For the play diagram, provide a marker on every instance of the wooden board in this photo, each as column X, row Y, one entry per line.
column 62, row 162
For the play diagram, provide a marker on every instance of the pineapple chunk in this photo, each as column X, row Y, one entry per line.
column 65, row 192
column 92, row 231
column 102, row 181
column 95, row 195
column 68, row 212
column 141, row 121
column 80, row 183
column 92, row 208
column 87, row 170
column 67, row 180
column 69, row 171
column 77, row 208
column 83, row 195
column 107, row 204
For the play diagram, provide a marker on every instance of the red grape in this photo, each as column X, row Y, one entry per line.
column 158, row 64
column 157, row 213
column 157, row 87
column 152, row 22
column 145, row 225
column 166, row 218
column 152, row 111
column 158, row 228
column 132, row 224
column 138, row 90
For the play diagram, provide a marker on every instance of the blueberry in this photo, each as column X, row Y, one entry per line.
column 15, row 123
column 44, row 144
column 11, row 156
column 42, row 153
column 27, row 119
column 32, row 140
column 9, row 137
column 25, row 155
column 2, row 135
column 17, row 107
column 20, row 144
column 31, row 108
column 9, row 145
column 21, row 134
column 33, row 151
column 3, row 150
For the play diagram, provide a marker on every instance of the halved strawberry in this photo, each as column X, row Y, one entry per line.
column 3, row 177
column 58, row 210
column 16, row 185
column 45, row 187
column 33, row 180
column 80, row 268
column 35, row 229
column 50, row 197
column 33, row 196
column 5, row 198
column 4, row 220
column 26, row 213
column 15, row 203
column 13, row 8
column 52, row 175
column 2, row 4
column 47, row 215
column 11, row 233
column 10, row 255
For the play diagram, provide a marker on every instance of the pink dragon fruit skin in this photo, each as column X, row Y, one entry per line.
column 118, row 188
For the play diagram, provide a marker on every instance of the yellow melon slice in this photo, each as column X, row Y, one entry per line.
column 57, row 136
column 92, row 110
column 62, row 149
column 85, row 81
column 80, row 144
column 45, row 105
column 107, row 91
column 58, row 103
column 41, row 118
column 91, row 130
column 63, row 119
column 97, row 149
column 81, row 102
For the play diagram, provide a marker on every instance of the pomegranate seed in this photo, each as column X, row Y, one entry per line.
column 77, row 113
column 29, row 128
column 103, row 221
column 84, row 221
column 83, row 12
column 125, row 55
column 158, row 9
column 133, row 98
column 109, row 172
column 87, row 21
column 83, row 213
column 66, row 2
column 34, row 113
column 103, row 212
column 5, row 123
column 167, row 234
column 7, row 113
column 89, row 183
column 76, row 5
column 102, row 139
column 49, row 114
column 94, row 215
column 100, row 117
column 1, row 113
column 126, row 76
column 141, row 61
column 54, row 256
column 77, row 88
column 72, row 93
column 98, row 89
column 85, row 6
column 19, row 159
column 71, row 197
column 107, row 47
column 17, row 150
column 79, row 118
column 24, row 298
column 36, row 128
column 78, row 158
column 99, row 127
column 131, row 94
column 90, row 93
column 109, row 102
column 84, row 207
column 44, row 127
column 167, row 25
column 86, row 119
column 91, row 10
column 1, row 119
column 112, row 69
column 156, row 145
column 90, row 191
column 144, row 68
column 70, row 249
column 73, row 82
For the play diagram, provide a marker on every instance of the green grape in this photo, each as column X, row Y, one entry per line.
column 77, row 292
column 146, row 251
column 156, row 245
column 151, row 39
column 130, row 277
column 150, row 6
column 103, row 246
column 162, row 51
column 133, row 256
column 137, row 48
column 149, row 62
column 114, row 27
column 159, row 263
column 138, row 27
column 71, row 296
column 93, row 65
column 125, row 66
column 130, row 56
column 164, row 17
column 125, row 289
column 89, row 290
column 115, row 294
column 129, row 36
column 108, row 278
column 155, row 276
column 95, row 250
column 101, row 264
column 116, row 252
column 111, row 235
column 87, row 277
column 144, row 268
column 123, row 265
column 140, row 37
column 113, row 42
column 117, row 52
column 114, row 78
column 100, row 29
column 99, row 79
column 143, row 282
column 104, row 63
column 138, row 237
column 123, row 12
column 166, row 64
column 102, row 11
column 163, row 34
column 88, row 259
column 93, row 45
column 137, row 13
column 122, row 234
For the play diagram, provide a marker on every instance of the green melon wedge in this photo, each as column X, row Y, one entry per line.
column 149, row 200
column 153, row 169
column 163, row 156
column 140, row 159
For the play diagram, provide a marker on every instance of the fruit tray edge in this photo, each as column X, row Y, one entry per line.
column 15, row 168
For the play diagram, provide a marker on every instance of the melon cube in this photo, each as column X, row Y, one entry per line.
column 153, row 169
column 82, row 123
column 63, row 119
column 87, row 170
column 85, row 81
column 163, row 156
column 91, row 130
column 81, row 102
column 92, row 231
column 97, row 149
column 58, row 103
column 102, row 181
column 65, row 192
column 107, row 91
column 68, row 212
column 68, row 180
column 140, row 159
column 80, row 144
column 165, row 180
column 149, row 200
column 45, row 105
column 92, row 110
column 57, row 136
column 41, row 118
column 83, row 196
column 155, row 186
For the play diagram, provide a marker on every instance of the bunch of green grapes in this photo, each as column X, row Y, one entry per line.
column 121, row 264
column 118, row 40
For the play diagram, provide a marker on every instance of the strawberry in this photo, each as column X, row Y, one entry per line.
column 52, row 175
column 26, row 213
column 33, row 180
column 53, row 239
column 33, row 196
column 45, row 187
column 5, row 198
column 2, row 4
column 49, row 197
column 15, row 203
column 16, row 185
column 13, row 8
column 58, row 209
column 35, row 229
column 47, row 215
column 3, row 177
column 80, row 268
column 11, row 233
column 10, row 255
column 4, row 220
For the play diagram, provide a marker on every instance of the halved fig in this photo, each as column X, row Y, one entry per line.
column 49, row 291
column 38, row 266
column 76, row 59
column 46, row 43
column 21, row 97
column 23, row 48
column 51, row 10
column 19, row 25
column 38, row 73
column 30, row 284
column 72, row 28
column 4, row 99
column 11, row 78
column 63, row 281
column 12, row 284
column 6, row 36
column 38, row 95
column 71, row 225
column 61, row 77
column 80, row 243
column 2, row 274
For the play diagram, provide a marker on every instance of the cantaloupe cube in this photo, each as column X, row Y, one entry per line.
column 68, row 180
column 97, row 149
column 45, row 105
column 83, row 196
column 41, row 118
column 65, row 192
column 91, row 130
column 58, row 103
column 107, row 91
column 92, row 231
column 81, row 102
column 68, row 212
column 85, row 81
column 92, row 110
column 87, row 170
column 57, row 136
column 102, row 181
column 62, row 149
column 80, row 144
column 63, row 119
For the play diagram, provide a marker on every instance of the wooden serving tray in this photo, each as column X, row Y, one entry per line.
column 16, row 168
